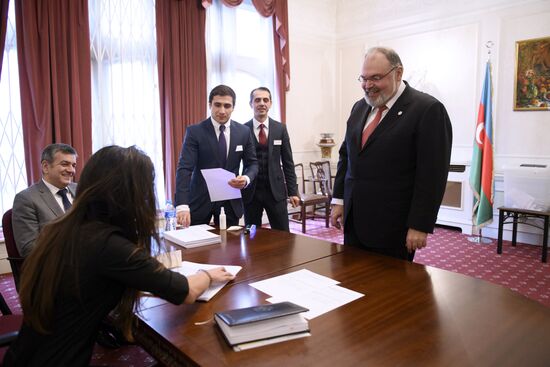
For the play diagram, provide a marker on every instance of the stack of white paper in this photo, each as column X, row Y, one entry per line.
column 193, row 236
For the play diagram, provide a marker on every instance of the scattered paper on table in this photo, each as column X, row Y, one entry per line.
column 308, row 289
column 320, row 300
column 297, row 281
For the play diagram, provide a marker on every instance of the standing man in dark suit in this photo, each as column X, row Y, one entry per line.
column 271, row 188
column 47, row 199
column 216, row 142
column 393, row 162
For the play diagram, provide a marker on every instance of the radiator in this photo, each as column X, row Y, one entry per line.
column 456, row 207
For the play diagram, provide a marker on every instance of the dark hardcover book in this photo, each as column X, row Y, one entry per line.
column 246, row 315
column 263, row 323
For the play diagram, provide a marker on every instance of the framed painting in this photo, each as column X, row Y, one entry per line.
column 532, row 75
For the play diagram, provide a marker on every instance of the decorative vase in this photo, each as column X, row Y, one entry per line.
column 326, row 143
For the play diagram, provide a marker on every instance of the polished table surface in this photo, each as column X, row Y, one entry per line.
column 411, row 315
column 270, row 250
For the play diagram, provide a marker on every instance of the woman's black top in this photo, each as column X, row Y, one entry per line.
column 108, row 265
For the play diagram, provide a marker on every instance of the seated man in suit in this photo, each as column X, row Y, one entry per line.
column 271, row 187
column 216, row 142
column 47, row 199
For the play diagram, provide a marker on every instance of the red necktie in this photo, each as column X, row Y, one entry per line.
column 261, row 136
column 372, row 125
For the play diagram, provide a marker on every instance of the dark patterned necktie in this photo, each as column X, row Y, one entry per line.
column 262, row 139
column 66, row 203
column 222, row 146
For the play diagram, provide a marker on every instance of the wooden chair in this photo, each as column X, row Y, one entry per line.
column 322, row 183
column 320, row 197
column 16, row 261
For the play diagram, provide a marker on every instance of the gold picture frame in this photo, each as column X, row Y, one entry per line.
column 532, row 75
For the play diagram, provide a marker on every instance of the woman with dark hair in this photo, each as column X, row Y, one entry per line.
column 94, row 260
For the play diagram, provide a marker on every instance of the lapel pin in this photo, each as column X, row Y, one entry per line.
column 399, row 113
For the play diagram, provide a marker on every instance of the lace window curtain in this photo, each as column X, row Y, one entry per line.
column 240, row 54
column 13, row 175
column 278, row 11
column 125, row 91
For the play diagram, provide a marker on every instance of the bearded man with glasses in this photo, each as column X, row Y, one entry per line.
column 393, row 163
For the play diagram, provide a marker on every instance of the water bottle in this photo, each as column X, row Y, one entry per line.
column 223, row 224
column 169, row 216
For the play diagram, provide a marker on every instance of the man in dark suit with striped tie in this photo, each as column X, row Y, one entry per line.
column 47, row 199
column 393, row 162
column 217, row 142
column 276, row 180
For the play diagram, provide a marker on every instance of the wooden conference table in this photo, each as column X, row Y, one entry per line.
column 411, row 315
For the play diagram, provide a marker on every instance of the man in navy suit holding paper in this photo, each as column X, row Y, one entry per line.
column 216, row 142
column 393, row 162
column 273, row 185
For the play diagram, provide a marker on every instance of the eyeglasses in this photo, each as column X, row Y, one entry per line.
column 375, row 78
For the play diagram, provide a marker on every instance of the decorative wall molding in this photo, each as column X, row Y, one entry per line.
column 360, row 18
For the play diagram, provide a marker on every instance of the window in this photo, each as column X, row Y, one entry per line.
column 13, row 176
column 125, row 95
column 239, row 46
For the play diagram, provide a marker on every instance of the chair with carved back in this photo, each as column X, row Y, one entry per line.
column 16, row 261
column 322, row 184
column 320, row 197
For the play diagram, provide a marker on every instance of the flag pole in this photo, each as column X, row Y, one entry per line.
column 481, row 174
column 479, row 239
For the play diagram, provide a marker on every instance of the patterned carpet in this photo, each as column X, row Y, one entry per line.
column 518, row 268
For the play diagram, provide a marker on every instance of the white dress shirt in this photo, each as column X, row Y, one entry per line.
column 257, row 128
column 58, row 198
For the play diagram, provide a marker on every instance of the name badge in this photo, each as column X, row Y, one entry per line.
column 239, row 148
column 277, row 142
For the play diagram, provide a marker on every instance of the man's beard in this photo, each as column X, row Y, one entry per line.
column 377, row 101
column 382, row 97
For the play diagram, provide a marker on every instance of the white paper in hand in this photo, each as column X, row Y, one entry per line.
column 217, row 182
column 190, row 268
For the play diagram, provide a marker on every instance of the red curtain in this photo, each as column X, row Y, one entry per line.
column 282, row 60
column 279, row 10
column 181, row 53
column 4, row 5
column 53, row 45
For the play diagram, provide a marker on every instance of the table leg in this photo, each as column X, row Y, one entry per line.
column 303, row 217
column 545, row 239
column 500, row 225
column 515, row 229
